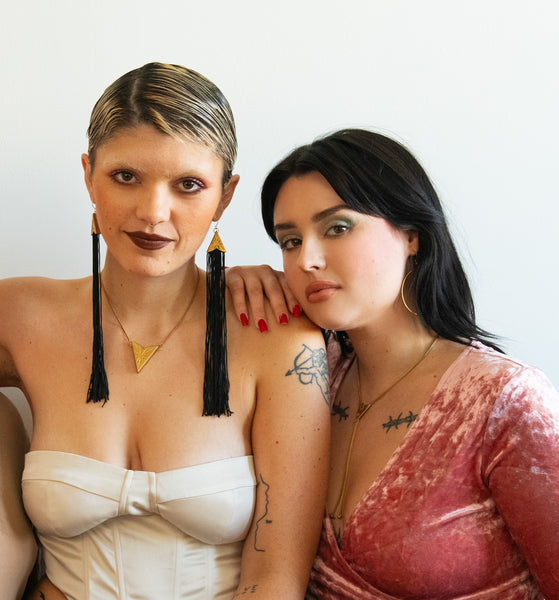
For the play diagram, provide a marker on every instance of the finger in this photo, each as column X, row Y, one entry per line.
column 256, row 299
column 236, row 285
column 275, row 292
column 292, row 302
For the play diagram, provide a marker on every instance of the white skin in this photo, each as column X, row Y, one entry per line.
column 144, row 183
column 345, row 268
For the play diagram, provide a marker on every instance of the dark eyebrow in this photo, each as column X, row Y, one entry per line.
column 316, row 218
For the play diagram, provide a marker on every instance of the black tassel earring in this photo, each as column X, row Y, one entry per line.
column 98, row 385
column 216, row 376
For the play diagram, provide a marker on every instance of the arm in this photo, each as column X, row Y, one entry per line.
column 523, row 435
column 45, row 590
column 290, row 438
column 17, row 543
column 254, row 284
column 10, row 307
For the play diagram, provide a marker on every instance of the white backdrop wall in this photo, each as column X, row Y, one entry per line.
column 471, row 88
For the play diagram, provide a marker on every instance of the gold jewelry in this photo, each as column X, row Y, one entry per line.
column 143, row 354
column 94, row 224
column 361, row 412
column 402, row 293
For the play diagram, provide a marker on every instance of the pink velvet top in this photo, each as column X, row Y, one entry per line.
column 468, row 505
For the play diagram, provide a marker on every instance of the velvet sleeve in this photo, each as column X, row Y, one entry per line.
column 522, row 471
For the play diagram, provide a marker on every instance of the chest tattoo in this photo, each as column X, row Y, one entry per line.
column 399, row 420
column 340, row 411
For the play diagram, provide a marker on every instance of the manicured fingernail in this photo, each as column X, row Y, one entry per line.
column 283, row 319
column 262, row 326
column 244, row 320
column 296, row 311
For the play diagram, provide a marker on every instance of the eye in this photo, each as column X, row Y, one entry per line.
column 191, row 185
column 124, row 177
column 338, row 228
column 288, row 243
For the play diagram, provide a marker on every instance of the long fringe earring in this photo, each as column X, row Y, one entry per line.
column 216, row 375
column 98, row 385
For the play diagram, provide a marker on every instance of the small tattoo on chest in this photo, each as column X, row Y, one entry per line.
column 340, row 411
column 338, row 536
column 399, row 420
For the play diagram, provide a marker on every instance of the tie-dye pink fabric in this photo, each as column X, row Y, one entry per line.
column 467, row 508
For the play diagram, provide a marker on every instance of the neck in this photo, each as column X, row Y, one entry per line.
column 385, row 352
column 145, row 304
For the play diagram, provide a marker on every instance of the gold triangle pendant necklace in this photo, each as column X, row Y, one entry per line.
column 143, row 354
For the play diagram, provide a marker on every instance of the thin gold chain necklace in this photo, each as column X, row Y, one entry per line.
column 143, row 354
column 363, row 408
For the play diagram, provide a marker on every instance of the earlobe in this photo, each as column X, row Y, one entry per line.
column 413, row 241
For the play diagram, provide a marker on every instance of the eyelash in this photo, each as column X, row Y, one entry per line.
column 199, row 185
column 284, row 244
column 127, row 177
column 289, row 243
column 344, row 226
column 117, row 176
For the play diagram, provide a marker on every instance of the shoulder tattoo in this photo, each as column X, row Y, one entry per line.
column 311, row 367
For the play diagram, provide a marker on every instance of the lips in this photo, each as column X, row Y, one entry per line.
column 148, row 241
column 318, row 291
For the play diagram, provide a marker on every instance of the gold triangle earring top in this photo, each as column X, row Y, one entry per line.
column 216, row 243
column 142, row 354
column 94, row 224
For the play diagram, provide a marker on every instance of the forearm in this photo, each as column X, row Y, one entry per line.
column 17, row 543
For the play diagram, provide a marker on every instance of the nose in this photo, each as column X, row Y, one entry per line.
column 311, row 255
column 155, row 205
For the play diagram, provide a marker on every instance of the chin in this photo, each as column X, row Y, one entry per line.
column 326, row 321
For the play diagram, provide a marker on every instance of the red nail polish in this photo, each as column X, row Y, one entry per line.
column 283, row 319
column 262, row 326
column 296, row 311
column 244, row 320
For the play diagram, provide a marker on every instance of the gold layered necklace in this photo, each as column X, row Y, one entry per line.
column 363, row 408
column 143, row 354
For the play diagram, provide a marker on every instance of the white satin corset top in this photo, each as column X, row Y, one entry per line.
column 113, row 533
column 67, row 494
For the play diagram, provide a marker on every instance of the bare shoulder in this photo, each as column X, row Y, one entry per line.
column 287, row 356
column 19, row 290
column 30, row 306
column 21, row 297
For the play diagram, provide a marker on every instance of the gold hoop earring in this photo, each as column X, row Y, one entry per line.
column 402, row 293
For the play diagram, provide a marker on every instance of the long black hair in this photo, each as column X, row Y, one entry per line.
column 375, row 175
